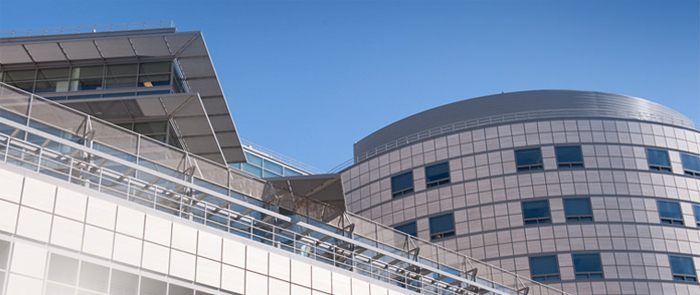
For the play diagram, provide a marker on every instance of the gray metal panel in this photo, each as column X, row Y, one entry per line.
column 12, row 54
column 45, row 52
column 507, row 103
column 115, row 47
column 149, row 46
column 77, row 50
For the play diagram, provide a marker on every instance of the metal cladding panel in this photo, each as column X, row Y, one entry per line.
column 222, row 123
column 76, row 50
column 198, row 67
column 215, row 106
column 13, row 54
column 115, row 47
column 150, row 46
column 196, row 48
column 205, row 87
column 177, row 41
column 46, row 52
column 509, row 103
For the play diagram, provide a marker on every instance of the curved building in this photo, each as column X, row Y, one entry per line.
column 590, row 192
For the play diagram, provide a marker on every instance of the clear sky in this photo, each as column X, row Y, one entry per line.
column 308, row 79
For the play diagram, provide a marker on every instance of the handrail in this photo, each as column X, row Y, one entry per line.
column 521, row 116
column 87, row 29
column 27, row 112
column 282, row 158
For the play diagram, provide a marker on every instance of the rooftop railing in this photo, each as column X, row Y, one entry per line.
column 282, row 158
column 521, row 116
column 54, row 140
column 87, row 29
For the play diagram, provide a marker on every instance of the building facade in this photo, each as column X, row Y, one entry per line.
column 590, row 192
column 119, row 183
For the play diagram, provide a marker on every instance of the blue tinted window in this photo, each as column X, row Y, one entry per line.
column 437, row 174
column 691, row 164
column 273, row 167
column 658, row 160
column 253, row 159
column 402, row 184
column 578, row 209
column 528, row 159
column 544, row 268
column 569, row 156
column 683, row 268
column 670, row 212
column 535, row 212
column 257, row 171
column 408, row 228
column 290, row 172
column 442, row 226
column 587, row 266
column 696, row 210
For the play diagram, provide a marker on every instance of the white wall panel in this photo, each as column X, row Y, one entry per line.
column 8, row 211
column 209, row 246
column 127, row 250
column 321, row 279
column 28, row 260
column 34, row 224
column 279, row 266
column 70, row 204
column 98, row 241
column 11, row 184
column 158, row 230
column 233, row 279
column 184, row 238
column 208, row 272
column 155, row 257
column 360, row 287
column 377, row 290
column 130, row 222
column 299, row 290
column 341, row 284
column 256, row 260
column 279, row 287
column 301, row 273
column 67, row 233
column 255, row 284
column 182, row 265
column 19, row 285
column 234, row 253
column 38, row 194
column 101, row 213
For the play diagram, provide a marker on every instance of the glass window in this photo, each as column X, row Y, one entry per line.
column 544, row 268
column 63, row 269
column 178, row 290
column 437, row 174
column 569, row 156
column 152, row 287
column 683, row 268
column 19, row 75
column 154, row 67
column 121, row 70
column 87, row 72
column 253, row 159
column 56, row 73
column 658, row 160
column 691, row 164
column 442, row 226
column 696, row 210
column 123, row 283
column 94, row 277
column 402, row 184
column 273, row 167
column 578, row 209
column 587, row 266
column 257, row 171
column 119, row 82
column 408, row 228
column 535, row 212
column 154, row 80
column 156, row 127
column 670, row 212
column 528, row 159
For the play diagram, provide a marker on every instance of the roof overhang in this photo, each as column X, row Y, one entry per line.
column 327, row 188
column 187, row 48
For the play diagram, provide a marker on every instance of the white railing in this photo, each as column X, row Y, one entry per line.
column 87, row 29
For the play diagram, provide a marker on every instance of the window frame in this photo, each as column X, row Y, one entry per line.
column 405, row 191
column 537, row 220
column 576, row 164
column 683, row 276
column 527, row 167
column 437, row 182
column 590, row 274
column 667, row 219
column 689, row 171
column 655, row 166
column 545, row 277
column 578, row 218
column 443, row 234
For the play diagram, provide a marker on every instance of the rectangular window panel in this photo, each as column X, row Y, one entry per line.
column 670, row 212
column 578, row 209
column 120, row 82
column 121, row 70
column 56, row 73
column 152, row 287
column 696, row 211
column 87, row 72
column 178, row 290
column 154, row 67
column 544, row 268
column 402, row 184
column 658, row 160
column 437, row 174
column 691, row 165
column 123, row 283
column 63, row 269
column 4, row 253
column 569, row 156
column 20, row 75
column 683, row 268
column 587, row 266
column 528, row 159
column 408, row 228
column 442, row 226
column 94, row 277
column 536, row 212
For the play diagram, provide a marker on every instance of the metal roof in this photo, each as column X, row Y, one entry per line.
column 188, row 48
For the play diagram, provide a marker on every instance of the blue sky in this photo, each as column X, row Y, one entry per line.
column 308, row 79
